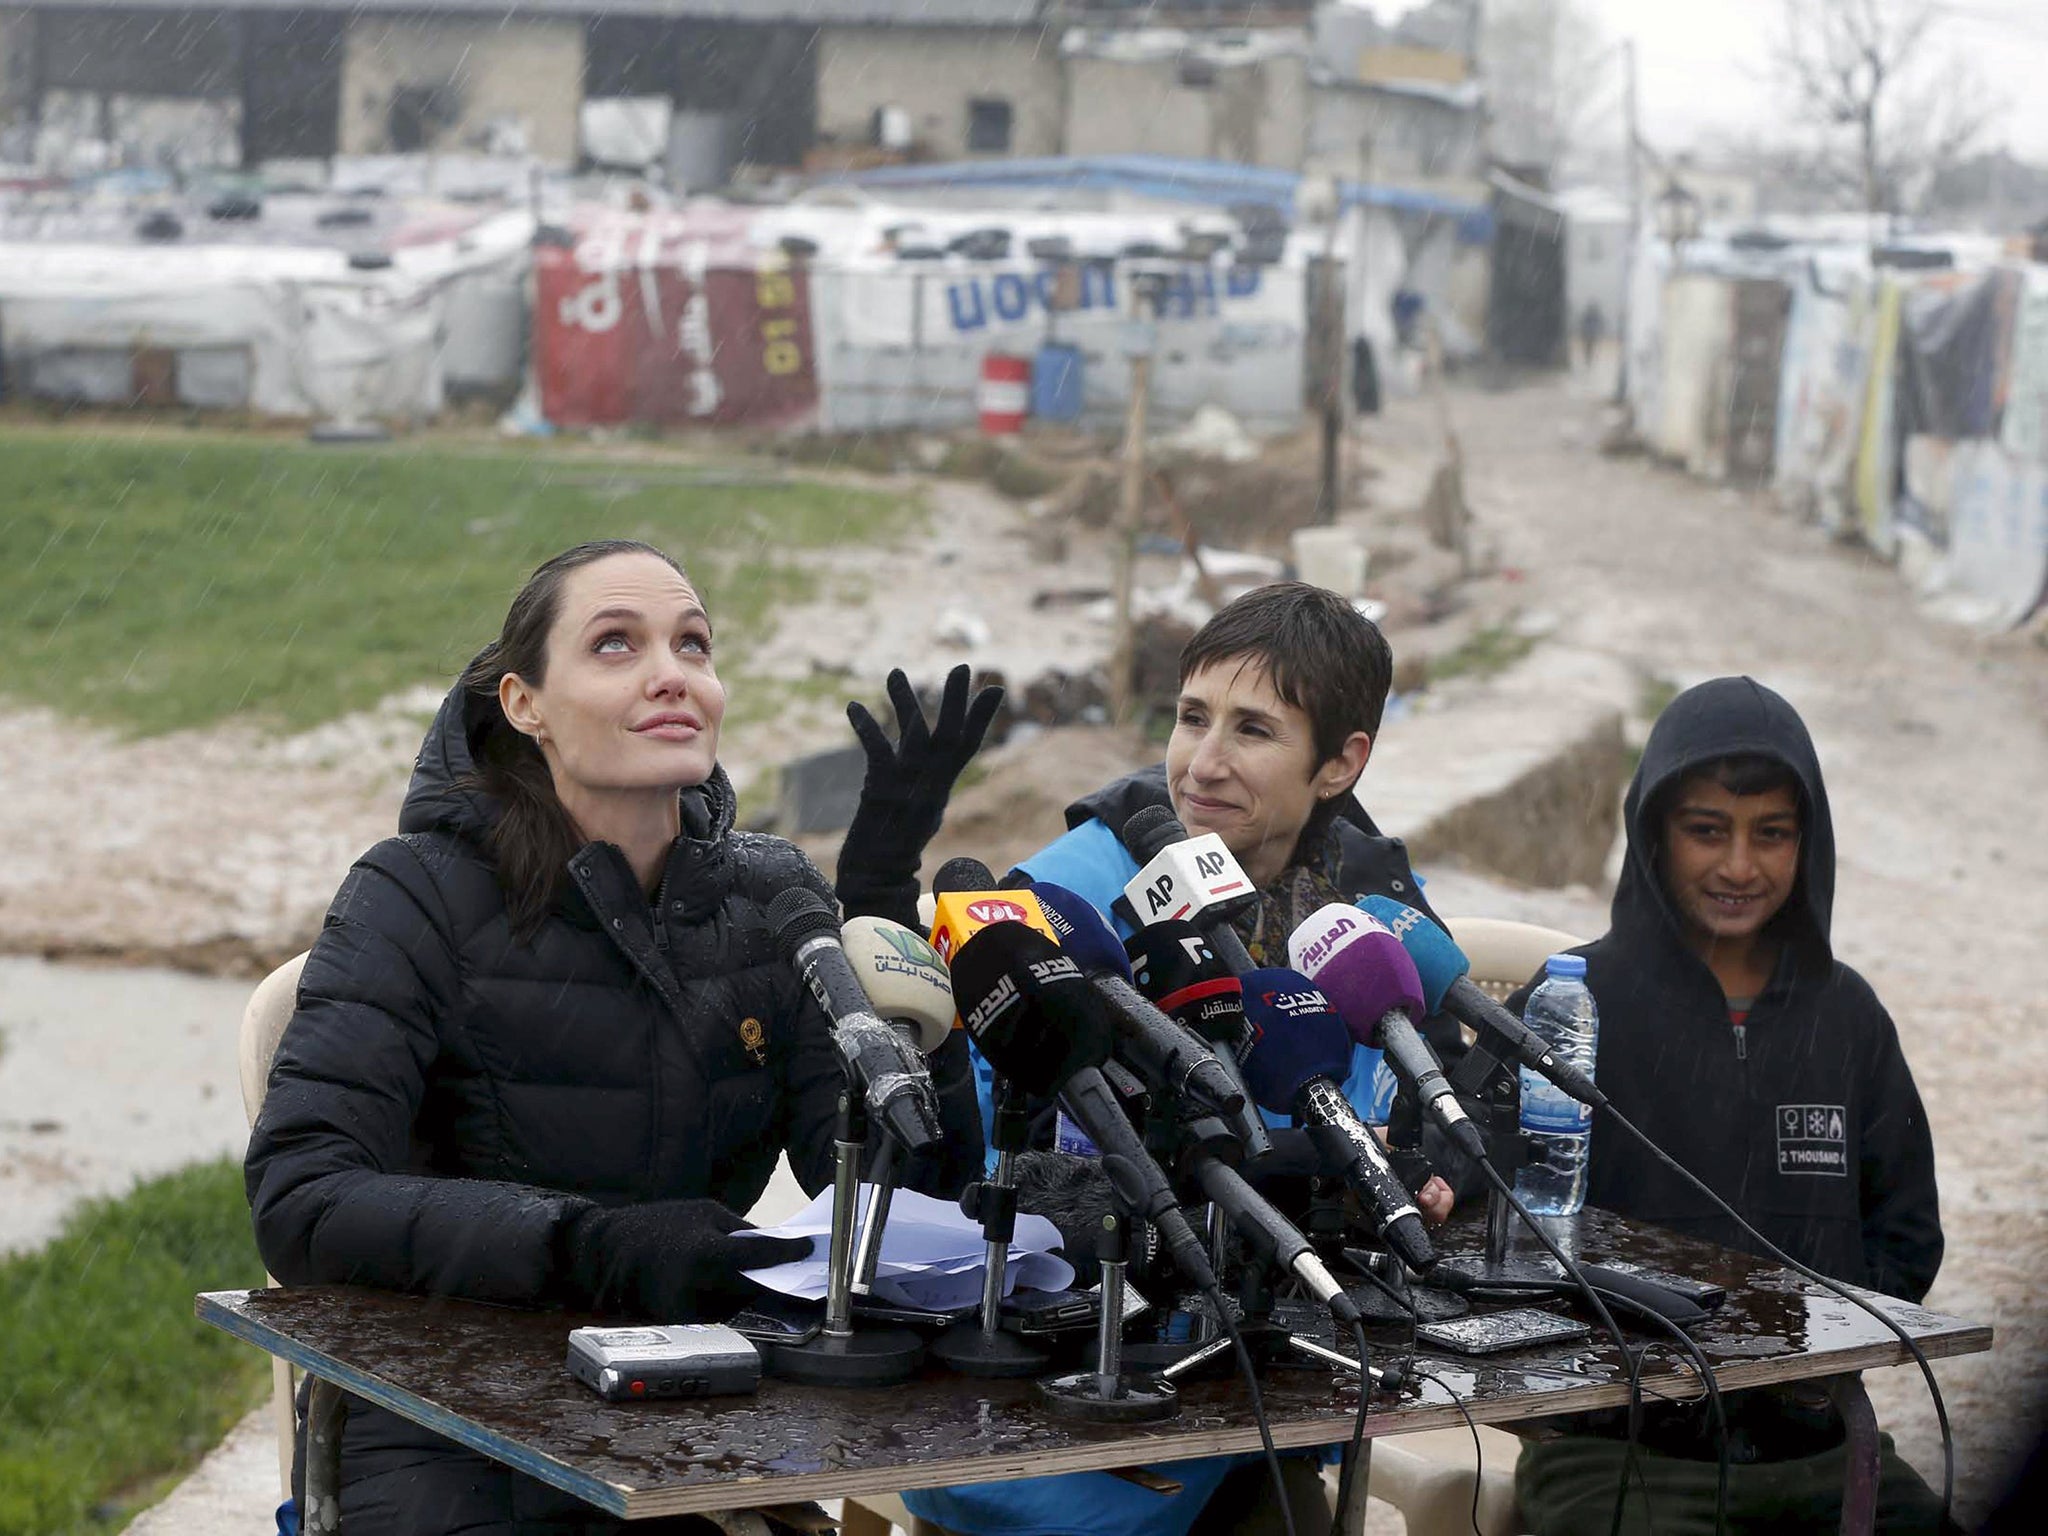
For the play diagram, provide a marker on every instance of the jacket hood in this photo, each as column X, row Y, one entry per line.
column 1727, row 716
column 444, row 797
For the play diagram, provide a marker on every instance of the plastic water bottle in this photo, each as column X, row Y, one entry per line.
column 1558, row 1128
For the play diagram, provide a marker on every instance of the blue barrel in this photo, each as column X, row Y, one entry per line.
column 1056, row 383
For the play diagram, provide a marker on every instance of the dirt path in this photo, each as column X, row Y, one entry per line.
column 1935, row 745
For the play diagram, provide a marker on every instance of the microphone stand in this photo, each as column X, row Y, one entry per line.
column 1487, row 1077
column 980, row 1347
column 882, row 1178
column 1106, row 1395
column 838, row 1356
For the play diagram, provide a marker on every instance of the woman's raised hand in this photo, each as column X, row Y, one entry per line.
column 903, row 796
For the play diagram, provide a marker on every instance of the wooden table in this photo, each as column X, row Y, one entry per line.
column 492, row 1378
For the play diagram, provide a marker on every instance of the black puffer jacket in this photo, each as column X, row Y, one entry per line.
column 447, row 1094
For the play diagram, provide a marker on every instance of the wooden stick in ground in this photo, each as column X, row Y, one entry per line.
column 1184, row 530
column 1123, row 546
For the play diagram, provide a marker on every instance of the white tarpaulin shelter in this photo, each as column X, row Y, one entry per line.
column 279, row 328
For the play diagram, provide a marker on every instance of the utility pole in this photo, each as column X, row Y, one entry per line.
column 1635, row 216
column 1130, row 508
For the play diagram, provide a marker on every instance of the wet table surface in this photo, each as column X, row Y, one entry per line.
column 493, row 1378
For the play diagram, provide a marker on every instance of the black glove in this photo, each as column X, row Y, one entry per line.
column 668, row 1261
column 903, row 797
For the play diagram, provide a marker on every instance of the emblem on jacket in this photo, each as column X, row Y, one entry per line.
column 755, row 1039
column 1813, row 1139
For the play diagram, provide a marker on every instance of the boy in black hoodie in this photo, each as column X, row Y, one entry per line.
column 1731, row 1034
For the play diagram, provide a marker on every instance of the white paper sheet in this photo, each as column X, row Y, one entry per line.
column 931, row 1254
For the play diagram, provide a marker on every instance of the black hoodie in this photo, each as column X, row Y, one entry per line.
column 1805, row 1118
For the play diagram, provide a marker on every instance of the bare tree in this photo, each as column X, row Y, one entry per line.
column 1544, row 63
column 1893, row 111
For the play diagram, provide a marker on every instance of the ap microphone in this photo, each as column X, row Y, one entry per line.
column 1302, row 1053
column 1187, row 879
column 1366, row 973
column 1447, row 987
column 1165, row 1052
column 886, row 1065
column 903, row 977
column 1036, row 1019
column 1174, row 965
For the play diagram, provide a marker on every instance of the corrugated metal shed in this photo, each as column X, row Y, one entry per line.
column 901, row 13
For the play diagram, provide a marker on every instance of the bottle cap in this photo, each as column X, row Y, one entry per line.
column 1565, row 965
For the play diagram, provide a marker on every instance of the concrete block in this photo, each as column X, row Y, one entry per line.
column 1520, row 774
column 818, row 793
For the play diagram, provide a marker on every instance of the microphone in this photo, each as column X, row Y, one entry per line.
column 903, row 977
column 1447, row 987
column 1038, row 1022
column 1165, row 1052
column 1174, row 965
column 1187, row 879
column 1366, row 973
column 965, row 901
column 1272, row 1236
column 890, row 1072
column 1302, row 1053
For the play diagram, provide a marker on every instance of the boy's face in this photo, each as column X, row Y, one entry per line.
column 1730, row 860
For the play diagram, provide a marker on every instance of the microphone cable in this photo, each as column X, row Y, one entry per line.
column 1715, row 1409
column 1357, row 1430
column 1773, row 1251
column 1630, row 1358
column 1478, row 1451
column 1251, row 1381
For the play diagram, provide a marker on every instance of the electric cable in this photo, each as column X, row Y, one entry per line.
column 1357, row 1431
column 1251, row 1381
column 1630, row 1358
column 1772, row 1250
column 1478, row 1451
column 1715, row 1409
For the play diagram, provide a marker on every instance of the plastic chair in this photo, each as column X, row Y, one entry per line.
column 269, row 1009
column 1429, row 1477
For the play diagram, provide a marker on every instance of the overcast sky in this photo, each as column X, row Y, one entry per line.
column 1699, row 64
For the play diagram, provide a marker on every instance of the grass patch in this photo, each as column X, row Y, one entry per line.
column 153, row 585
column 109, row 1381
column 1653, row 696
column 1482, row 654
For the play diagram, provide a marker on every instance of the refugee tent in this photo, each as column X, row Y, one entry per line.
column 670, row 316
column 289, row 313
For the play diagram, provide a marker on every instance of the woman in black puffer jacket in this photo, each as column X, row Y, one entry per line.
column 545, row 1046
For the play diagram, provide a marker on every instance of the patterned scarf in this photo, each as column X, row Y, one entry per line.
column 1287, row 902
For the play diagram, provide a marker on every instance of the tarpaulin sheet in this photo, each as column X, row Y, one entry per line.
column 322, row 338
column 1877, row 449
column 671, row 317
column 1994, row 572
column 2024, row 432
column 1820, row 393
column 1955, row 331
column 1698, row 348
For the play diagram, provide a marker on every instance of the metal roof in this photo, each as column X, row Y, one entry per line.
column 1220, row 183
column 899, row 13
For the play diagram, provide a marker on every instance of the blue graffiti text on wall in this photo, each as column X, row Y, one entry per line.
column 1007, row 298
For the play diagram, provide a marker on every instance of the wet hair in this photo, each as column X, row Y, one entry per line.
column 1323, row 657
column 1748, row 773
column 1740, row 773
column 534, row 836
